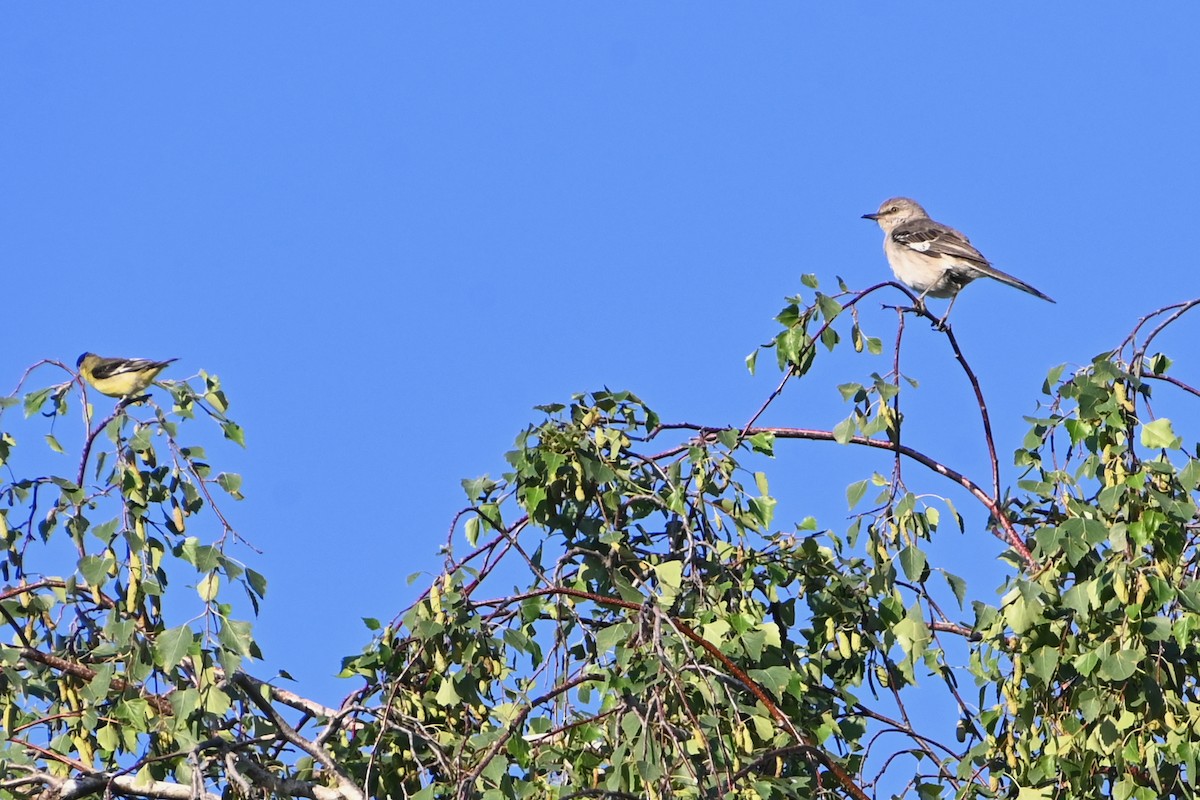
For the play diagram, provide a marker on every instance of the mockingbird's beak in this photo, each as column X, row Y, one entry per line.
column 870, row 216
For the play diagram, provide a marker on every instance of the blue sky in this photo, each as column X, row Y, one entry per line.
column 394, row 228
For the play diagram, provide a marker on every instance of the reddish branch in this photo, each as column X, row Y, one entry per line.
column 990, row 503
column 160, row 703
column 983, row 412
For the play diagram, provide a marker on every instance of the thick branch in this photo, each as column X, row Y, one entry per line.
column 346, row 786
column 160, row 703
column 126, row 785
column 291, row 699
column 91, row 784
column 287, row 787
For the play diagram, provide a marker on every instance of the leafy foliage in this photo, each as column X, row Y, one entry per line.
column 629, row 617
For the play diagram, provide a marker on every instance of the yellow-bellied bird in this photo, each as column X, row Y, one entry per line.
column 119, row 377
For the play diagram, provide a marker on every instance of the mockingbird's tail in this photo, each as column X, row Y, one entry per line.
column 1017, row 283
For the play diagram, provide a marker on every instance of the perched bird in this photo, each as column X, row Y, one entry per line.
column 932, row 258
column 119, row 377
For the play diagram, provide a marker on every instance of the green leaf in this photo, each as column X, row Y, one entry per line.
column 1120, row 665
column 844, row 431
column 1025, row 610
column 478, row 489
column 670, row 578
column 1052, row 378
column 914, row 637
column 855, row 492
column 609, row 638
column 258, row 582
column 203, row 557
column 94, row 569
column 829, row 307
column 1159, row 434
column 850, row 391
column 1042, row 663
column 34, row 401
column 809, row 280
column 99, row 687
column 763, row 508
column 235, row 635
column 962, row 526
column 752, row 362
column 1159, row 364
column 234, row 432
column 957, row 585
column 172, row 645
column 446, row 696
column 54, row 445
column 108, row 738
column 913, row 562
column 232, row 483
column 208, row 587
column 763, row 443
column 1189, row 476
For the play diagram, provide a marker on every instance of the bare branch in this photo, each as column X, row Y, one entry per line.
column 253, row 690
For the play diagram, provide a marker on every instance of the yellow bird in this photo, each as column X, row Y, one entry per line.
column 119, row 377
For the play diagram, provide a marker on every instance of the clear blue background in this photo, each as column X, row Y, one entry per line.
column 394, row 228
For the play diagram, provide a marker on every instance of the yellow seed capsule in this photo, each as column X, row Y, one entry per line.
column 1010, row 702
column 131, row 598
column 177, row 518
column 1143, row 589
column 843, row 645
column 435, row 599
column 883, row 676
column 1123, row 400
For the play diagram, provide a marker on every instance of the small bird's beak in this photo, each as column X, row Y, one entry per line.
column 870, row 216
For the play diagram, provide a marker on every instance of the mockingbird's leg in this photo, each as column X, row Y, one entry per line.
column 941, row 323
column 919, row 307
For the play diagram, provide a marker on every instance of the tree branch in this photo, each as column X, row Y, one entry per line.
column 253, row 690
column 991, row 504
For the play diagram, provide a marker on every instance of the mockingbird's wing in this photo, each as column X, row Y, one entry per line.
column 936, row 240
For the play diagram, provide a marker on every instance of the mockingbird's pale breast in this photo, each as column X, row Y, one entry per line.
column 932, row 276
